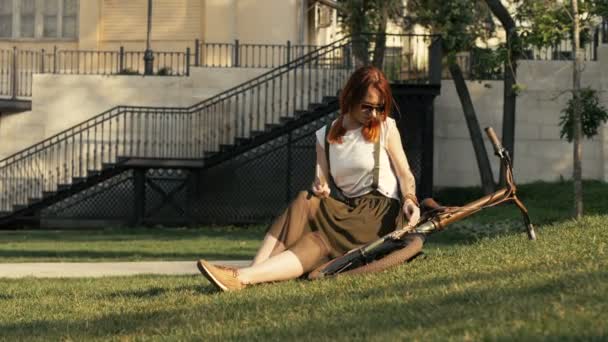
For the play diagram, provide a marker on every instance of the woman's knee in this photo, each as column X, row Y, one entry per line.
column 311, row 249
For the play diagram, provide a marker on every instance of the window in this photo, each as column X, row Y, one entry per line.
column 28, row 18
column 6, row 18
column 39, row 19
column 70, row 19
column 49, row 19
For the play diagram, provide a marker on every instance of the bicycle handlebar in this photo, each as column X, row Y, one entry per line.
column 494, row 139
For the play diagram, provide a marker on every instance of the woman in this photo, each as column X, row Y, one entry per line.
column 362, row 153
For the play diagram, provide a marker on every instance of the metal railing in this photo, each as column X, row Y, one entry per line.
column 17, row 67
column 408, row 57
column 82, row 62
column 176, row 133
column 562, row 51
column 474, row 67
column 246, row 55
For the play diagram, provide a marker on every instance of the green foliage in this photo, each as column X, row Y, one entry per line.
column 486, row 64
column 593, row 114
column 546, row 23
column 365, row 15
column 518, row 88
column 459, row 22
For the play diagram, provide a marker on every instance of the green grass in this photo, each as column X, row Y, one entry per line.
column 123, row 244
column 494, row 288
column 480, row 280
column 547, row 202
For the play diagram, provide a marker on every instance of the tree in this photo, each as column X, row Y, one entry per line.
column 548, row 23
column 360, row 17
column 576, row 87
column 460, row 23
column 512, row 53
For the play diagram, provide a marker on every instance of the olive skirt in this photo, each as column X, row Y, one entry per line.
column 319, row 229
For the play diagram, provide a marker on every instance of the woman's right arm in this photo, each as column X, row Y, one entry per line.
column 320, row 187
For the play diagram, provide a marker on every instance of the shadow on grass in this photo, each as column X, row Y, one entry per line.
column 160, row 291
column 136, row 234
column 548, row 203
column 84, row 255
column 370, row 315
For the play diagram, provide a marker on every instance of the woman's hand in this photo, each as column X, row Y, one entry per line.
column 411, row 211
column 320, row 189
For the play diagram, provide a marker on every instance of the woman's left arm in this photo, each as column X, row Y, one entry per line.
column 407, row 183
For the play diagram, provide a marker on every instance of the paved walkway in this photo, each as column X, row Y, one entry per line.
column 104, row 269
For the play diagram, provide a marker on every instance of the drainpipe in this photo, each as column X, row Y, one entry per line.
column 303, row 17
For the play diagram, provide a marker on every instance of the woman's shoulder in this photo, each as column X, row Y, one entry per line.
column 320, row 133
column 389, row 124
column 321, row 130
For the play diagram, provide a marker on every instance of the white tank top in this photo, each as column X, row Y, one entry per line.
column 352, row 162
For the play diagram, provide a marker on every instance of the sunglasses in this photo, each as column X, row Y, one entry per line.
column 367, row 108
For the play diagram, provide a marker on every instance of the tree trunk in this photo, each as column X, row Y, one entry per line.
column 578, row 150
column 380, row 40
column 508, row 107
column 510, row 79
column 483, row 163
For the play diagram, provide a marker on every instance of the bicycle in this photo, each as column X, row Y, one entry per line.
column 405, row 244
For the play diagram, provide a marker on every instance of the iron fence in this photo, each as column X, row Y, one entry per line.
column 246, row 55
column 253, row 187
column 482, row 64
column 406, row 57
column 17, row 66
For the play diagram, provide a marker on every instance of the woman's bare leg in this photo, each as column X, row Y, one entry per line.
column 288, row 227
column 283, row 266
column 269, row 246
column 307, row 253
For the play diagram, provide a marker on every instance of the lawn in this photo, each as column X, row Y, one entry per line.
column 547, row 202
column 481, row 280
column 130, row 244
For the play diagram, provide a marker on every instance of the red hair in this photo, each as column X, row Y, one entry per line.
column 351, row 96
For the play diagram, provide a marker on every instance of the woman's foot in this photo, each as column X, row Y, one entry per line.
column 223, row 277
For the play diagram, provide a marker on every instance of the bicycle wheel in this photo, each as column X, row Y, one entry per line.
column 412, row 247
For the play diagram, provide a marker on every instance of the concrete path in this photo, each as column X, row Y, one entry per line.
column 104, row 269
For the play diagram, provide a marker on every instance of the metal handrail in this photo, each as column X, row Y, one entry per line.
column 209, row 101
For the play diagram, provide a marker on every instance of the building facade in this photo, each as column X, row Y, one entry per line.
column 107, row 24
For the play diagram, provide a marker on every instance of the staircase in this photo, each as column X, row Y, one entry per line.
column 198, row 137
column 195, row 137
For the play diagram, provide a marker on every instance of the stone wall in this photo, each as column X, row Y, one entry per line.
column 540, row 154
